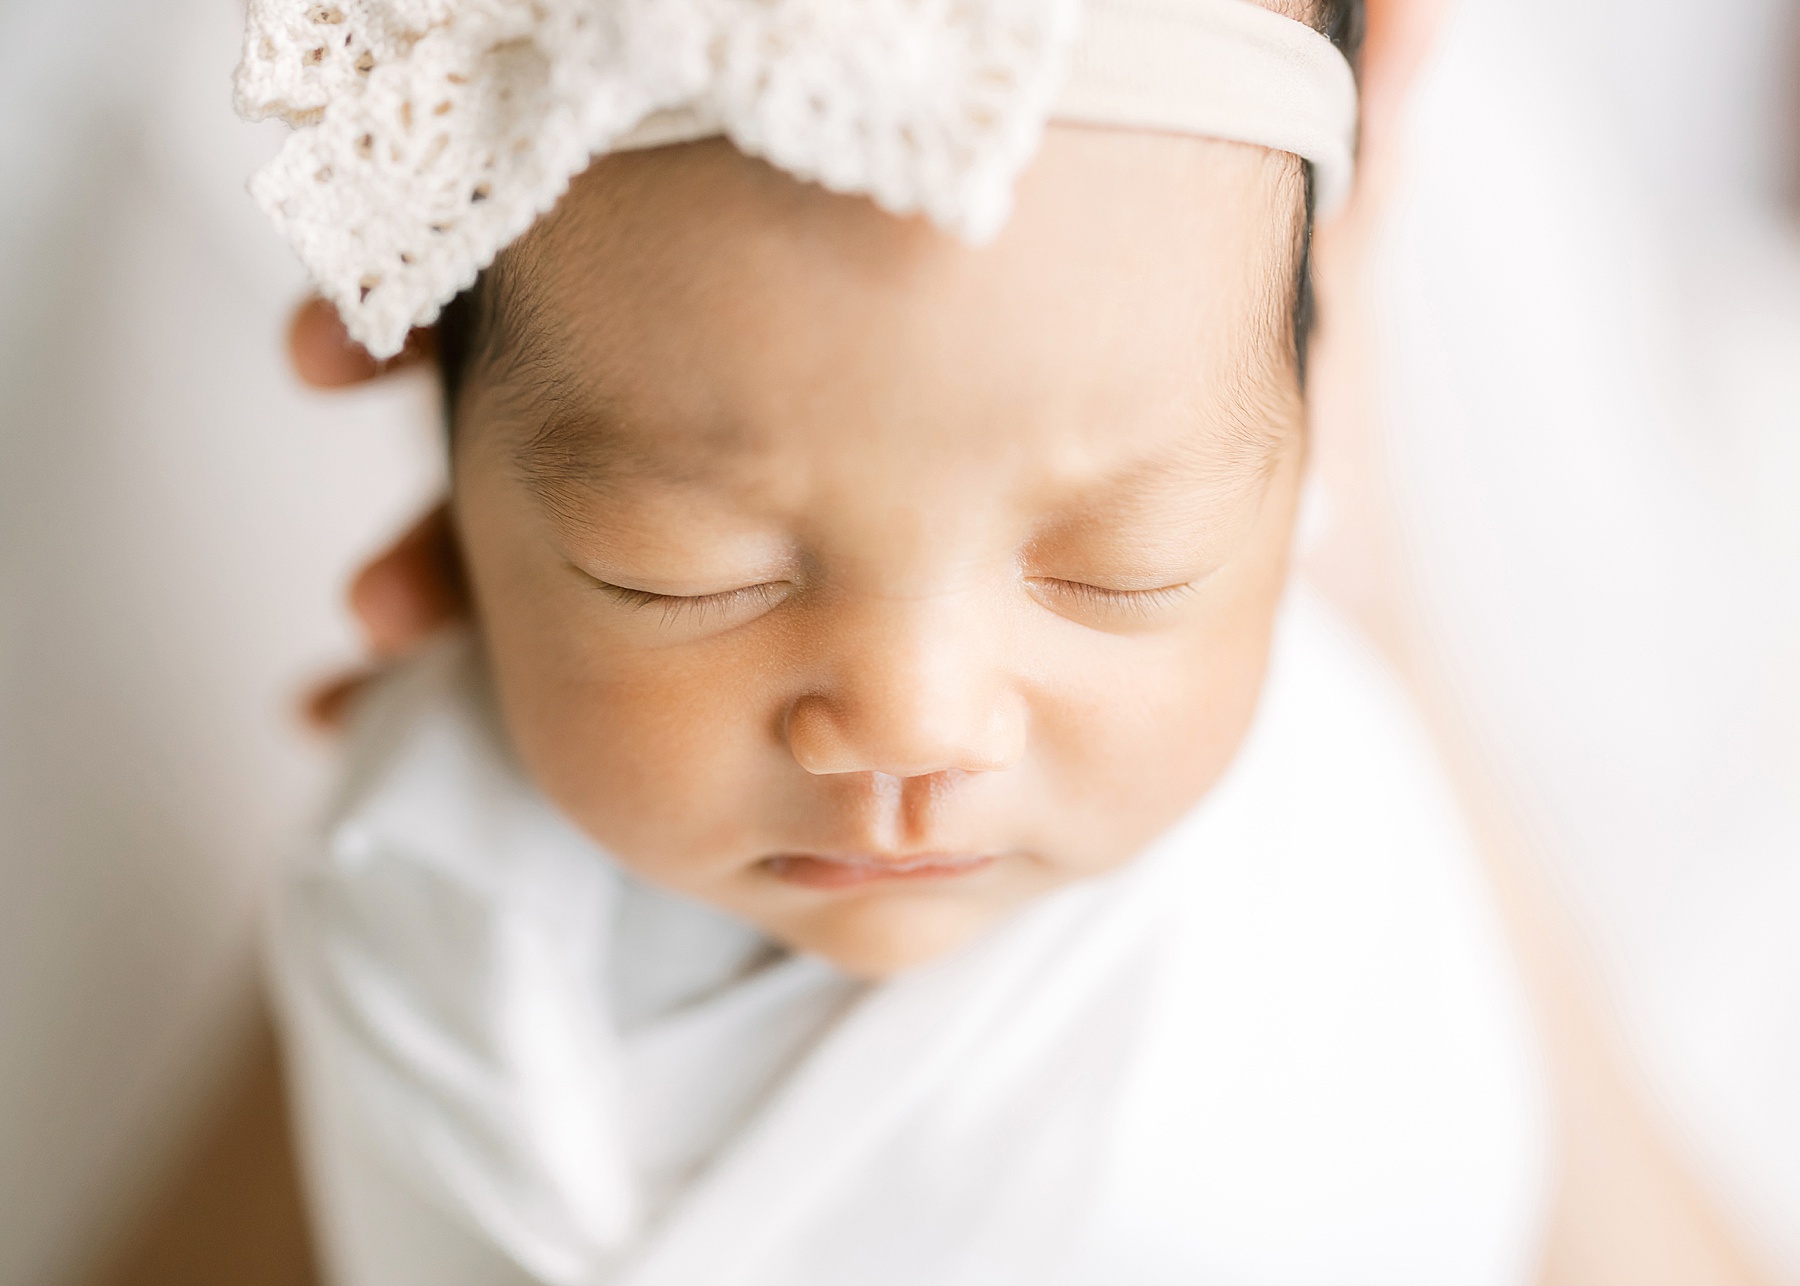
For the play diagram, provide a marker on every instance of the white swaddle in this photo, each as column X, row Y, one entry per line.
column 1284, row 1046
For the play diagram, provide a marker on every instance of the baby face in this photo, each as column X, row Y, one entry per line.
column 865, row 584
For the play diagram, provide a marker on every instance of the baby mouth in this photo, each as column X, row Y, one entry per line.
column 851, row 870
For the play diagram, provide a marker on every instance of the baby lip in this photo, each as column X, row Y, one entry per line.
column 844, row 870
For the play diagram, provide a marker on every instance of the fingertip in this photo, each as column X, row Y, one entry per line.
column 412, row 589
column 322, row 352
column 326, row 708
column 386, row 601
column 325, row 356
column 1399, row 35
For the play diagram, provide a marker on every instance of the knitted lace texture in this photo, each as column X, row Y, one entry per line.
column 429, row 134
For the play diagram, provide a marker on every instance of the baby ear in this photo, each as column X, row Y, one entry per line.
column 324, row 356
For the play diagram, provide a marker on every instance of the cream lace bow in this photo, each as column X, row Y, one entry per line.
column 431, row 133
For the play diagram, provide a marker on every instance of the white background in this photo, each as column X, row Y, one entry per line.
column 176, row 522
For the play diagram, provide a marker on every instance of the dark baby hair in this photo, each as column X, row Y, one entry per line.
column 460, row 325
column 1342, row 20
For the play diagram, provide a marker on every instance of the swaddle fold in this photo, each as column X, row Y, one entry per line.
column 1284, row 1045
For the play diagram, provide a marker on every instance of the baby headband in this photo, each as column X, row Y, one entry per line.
column 430, row 134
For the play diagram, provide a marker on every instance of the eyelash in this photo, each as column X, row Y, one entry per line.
column 698, row 608
column 1143, row 602
column 687, row 608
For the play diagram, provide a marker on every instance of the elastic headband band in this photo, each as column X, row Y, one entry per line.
column 430, row 137
column 1226, row 69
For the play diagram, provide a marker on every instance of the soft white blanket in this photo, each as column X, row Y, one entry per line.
column 1284, row 1047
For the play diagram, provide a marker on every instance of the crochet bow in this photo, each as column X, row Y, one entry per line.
column 431, row 133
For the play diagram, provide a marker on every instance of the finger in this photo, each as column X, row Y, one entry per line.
column 326, row 707
column 413, row 590
column 1398, row 36
column 324, row 355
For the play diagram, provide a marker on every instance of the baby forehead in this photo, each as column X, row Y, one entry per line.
column 690, row 310
column 1113, row 214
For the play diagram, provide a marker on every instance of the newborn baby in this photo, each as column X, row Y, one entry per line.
column 858, row 844
column 864, row 584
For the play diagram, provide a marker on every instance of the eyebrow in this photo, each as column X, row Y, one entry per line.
column 569, row 436
column 563, row 429
column 1236, row 451
column 595, row 447
column 571, row 440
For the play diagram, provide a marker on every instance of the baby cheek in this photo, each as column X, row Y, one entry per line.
column 655, row 754
column 1140, row 742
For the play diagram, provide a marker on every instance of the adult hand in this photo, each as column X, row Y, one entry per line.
column 414, row 588
column 1627, row 1208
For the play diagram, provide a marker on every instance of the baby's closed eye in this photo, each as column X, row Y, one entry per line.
column 714, row 610
column 1105, row 606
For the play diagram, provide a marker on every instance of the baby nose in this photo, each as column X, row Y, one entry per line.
column 908, row 709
